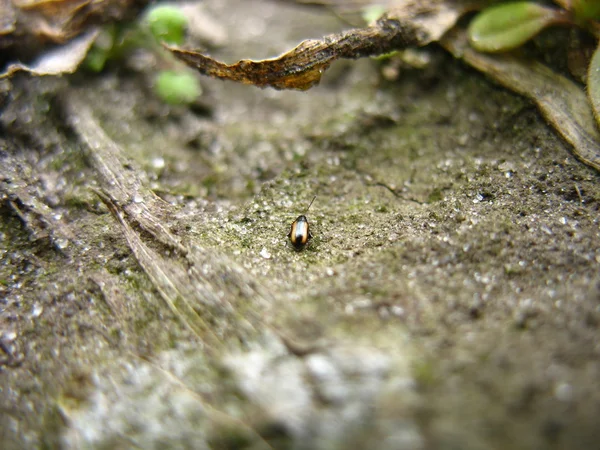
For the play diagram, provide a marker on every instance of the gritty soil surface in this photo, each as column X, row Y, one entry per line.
column 450, row 297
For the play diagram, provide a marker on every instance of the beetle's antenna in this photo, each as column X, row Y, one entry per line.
column 311, row 202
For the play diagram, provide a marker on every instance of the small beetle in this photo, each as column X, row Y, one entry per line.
column 300, row 232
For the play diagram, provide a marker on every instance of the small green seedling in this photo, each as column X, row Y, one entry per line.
column 509, row 25
column 177, row 88
column 175, row 84
column 168, row 24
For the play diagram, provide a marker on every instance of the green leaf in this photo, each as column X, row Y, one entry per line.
column 593, row 83
column 177, row 88
column 101, row 50
column 507, row 26
column 168, row 24
column 586, row 9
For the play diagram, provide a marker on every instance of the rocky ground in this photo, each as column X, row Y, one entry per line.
column 450, row 297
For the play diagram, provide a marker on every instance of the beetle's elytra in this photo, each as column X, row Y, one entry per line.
column 300, row 232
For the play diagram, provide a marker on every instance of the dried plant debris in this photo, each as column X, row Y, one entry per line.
column 302, row 67
column 56, row 21
column 29, row 27
column 412, row 24
column 409, row 24
column 405, row 24
column 63, row 59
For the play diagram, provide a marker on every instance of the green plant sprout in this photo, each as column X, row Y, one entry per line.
column 177, row 87
column 174, row 83
column 506, row 26
column 167, row 23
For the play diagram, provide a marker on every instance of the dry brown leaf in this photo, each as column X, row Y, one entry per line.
column 409, row 24
column 27, row 25
column 29, row 29
column 302, row 67
column 55, row 20
column 63, row 59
